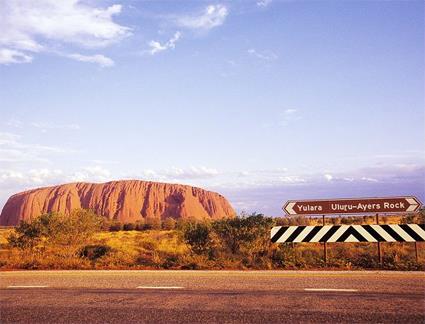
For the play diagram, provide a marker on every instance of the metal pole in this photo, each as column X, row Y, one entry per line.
column 325, row 254
column 416, row 252
column 379, row 244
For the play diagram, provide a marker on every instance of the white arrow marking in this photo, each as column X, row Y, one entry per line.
column 290, row 208
column 159, row 287
column 413, row 204
column 27, row 286
column 330, row 289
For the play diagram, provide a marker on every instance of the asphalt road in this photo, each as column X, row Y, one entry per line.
column 211, row 297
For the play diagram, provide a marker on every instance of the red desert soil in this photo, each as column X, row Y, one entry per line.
column 125, row 201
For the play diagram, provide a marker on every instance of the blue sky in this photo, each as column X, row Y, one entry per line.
column 263, row 101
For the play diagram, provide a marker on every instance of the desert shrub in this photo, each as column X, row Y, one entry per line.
column 293, row 220
column 152, row 223
column 94, row 252
column 170, row 261
column 243, row 241
column 283, row 256
column 140, row 225
column 311, row 255
column 169, row 223
column 346, row 220
column 182, row 223
column 105, row 224
column 418, row 218
column 195, row 262
column 335, row 220
column 26, row 235
column 115, row 227
column 245, row 235
column 63, row 232
column 149, row 244
column 129, row 227
column 19, row 259
column 116, row 259
column 198, row 236
column 145, row 259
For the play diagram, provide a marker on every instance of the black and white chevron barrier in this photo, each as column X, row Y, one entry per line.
column 349, row 233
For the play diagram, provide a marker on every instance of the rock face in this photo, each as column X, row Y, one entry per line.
column 124, row 201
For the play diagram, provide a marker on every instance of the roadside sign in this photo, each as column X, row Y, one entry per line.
column 352, row 206
column 349, row 233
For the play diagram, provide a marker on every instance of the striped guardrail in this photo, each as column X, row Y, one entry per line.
column 349, row 233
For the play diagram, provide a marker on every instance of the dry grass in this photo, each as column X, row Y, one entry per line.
column 4, row 233
column 166, row 249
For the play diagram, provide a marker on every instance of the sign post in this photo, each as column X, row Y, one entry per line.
column 379, row 244
column 325, row 256
column 416, row 252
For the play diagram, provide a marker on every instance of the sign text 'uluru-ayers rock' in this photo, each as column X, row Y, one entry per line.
column 125, row 201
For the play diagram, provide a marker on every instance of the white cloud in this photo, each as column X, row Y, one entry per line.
column 292, row 179
column 44, row 176
column 8, row 56
column 31, row 26
column 288, row 116
column 192, row 173
column 10, row 175
column 45, row 126
column 265, row 55
column 175, row 174
column 8, row 138
column 212, row 16
column 369, row 179
column 264, row 3
column 328, row 177
column 15, row 123
column 156, row 47
column 91, row 173
column 102, row 60
column 12, row 149
column 290, row 111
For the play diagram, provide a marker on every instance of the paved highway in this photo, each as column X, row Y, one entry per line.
column 211, row 296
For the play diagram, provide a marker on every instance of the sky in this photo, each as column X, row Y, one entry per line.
column 262, row 101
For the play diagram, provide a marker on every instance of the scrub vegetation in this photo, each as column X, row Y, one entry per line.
column 83, row 240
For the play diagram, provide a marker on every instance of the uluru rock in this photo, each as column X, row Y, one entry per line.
column 124, row 201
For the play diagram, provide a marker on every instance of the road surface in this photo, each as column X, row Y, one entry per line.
column 211, row 297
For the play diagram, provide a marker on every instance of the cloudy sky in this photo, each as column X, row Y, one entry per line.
column 262, row 100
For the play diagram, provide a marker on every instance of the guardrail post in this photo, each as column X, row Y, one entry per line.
column 379, row 244
column 325, row 254
column 416, row 252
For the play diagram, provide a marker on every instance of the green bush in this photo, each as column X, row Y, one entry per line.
column 67, row 233
column 245, row 235
column 197, row 235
